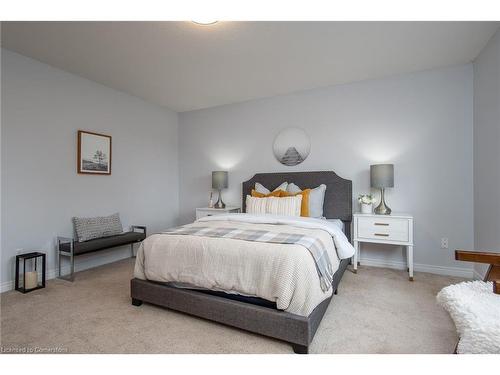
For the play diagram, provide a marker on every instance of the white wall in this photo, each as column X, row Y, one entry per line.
column 487, row 149
column 42, row 109
column 421, row 122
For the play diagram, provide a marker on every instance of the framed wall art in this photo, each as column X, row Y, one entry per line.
column 291, row 146
column 94, row 153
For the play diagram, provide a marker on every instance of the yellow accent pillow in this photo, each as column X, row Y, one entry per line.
column 304, row 209
column 276, row 193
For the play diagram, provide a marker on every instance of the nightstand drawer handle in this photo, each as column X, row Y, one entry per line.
column 384, row 224
column 381, row 234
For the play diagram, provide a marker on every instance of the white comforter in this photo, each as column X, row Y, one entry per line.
column 281, row 273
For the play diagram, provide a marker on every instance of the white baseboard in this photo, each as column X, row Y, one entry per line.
column 80, row 265
column 6, row 286
column 438, row 270
column 51, row 274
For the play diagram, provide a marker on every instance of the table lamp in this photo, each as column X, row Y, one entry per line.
column 381, row 177
column 219, row 182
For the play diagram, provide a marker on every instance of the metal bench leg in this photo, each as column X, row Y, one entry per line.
column 72, row 260
column 59, row 258
column 71, row 256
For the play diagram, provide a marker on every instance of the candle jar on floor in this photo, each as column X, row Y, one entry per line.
column 32, row 274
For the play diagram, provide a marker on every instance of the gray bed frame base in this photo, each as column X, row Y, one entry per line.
column 295, row 329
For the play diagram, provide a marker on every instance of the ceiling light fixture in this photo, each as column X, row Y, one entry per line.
column 205, row 21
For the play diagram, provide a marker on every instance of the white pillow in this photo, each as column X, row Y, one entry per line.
column 255, row 205
column 316, row 198
column 259, row 188
column 286, row 206
column 292, row 188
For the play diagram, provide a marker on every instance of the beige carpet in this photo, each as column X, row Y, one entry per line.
column 376, row 311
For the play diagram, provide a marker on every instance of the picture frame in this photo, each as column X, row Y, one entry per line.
column 94, row 153
column 291, row 146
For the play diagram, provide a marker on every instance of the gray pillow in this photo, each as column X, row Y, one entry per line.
column 316, row 198
column 259, row 188
column 89, row 228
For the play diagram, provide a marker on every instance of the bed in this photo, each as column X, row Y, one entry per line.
column 263, row 316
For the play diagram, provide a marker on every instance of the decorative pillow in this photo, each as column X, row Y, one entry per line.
column 287, row 206
column 304, row 208
column 263, row 190
column 316, row 198
column 256, row 205
column 276, row 193
column 292, row 188
column 89, row 228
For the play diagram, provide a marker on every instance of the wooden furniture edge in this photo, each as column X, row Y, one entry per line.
column 496, row 286
column 478, row 256
column 493, row 259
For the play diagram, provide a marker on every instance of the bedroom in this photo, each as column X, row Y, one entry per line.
column 247, row 187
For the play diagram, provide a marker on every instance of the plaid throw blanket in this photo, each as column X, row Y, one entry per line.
column 313, row 245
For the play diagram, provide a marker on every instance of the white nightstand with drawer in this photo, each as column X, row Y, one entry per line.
column 395, row 229
column 205, row 211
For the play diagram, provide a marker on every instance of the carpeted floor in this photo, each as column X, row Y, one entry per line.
column 376, row 311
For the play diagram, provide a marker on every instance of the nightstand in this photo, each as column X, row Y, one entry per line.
column 395, row 229
column 205, row 211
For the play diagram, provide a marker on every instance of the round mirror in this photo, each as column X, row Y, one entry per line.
column 291, row 146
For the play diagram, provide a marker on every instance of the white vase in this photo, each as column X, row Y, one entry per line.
column 366, row 208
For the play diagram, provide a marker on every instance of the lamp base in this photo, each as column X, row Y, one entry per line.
column 220, row 203
column 382, row 208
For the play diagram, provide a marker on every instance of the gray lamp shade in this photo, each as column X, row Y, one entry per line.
column 219, row 180
column 382, row 175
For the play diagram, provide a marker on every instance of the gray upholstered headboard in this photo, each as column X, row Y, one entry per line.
column 338, row 195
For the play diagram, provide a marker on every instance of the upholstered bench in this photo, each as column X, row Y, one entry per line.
column 69, row 247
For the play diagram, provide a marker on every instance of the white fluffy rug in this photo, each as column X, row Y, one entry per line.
column 475, row 309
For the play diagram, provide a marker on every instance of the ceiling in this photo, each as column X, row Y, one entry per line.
column 186, row 66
